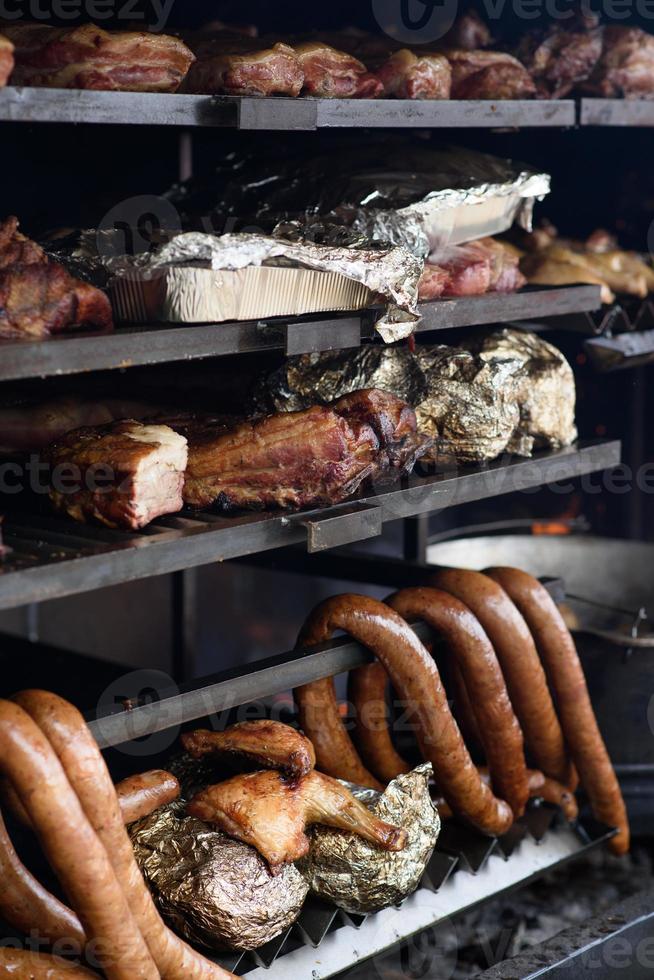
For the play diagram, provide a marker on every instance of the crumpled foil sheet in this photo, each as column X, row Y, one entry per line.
column 509, row 391
column 359, row 877
column 391, row 273
column 212, row 889
column 401, row 190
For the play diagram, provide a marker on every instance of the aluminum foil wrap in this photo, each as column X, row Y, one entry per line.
column 392, row 273
column 361, row 878
column 509, row 391
column 212, row 889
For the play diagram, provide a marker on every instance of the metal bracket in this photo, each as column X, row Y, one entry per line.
column 277, row 114
column 320, row 335
column 356, row 523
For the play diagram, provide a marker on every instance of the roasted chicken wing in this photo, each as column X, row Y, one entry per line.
column 272, row 814
column 270, row 744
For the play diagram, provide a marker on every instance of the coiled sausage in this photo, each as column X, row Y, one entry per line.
column 23, row 964
column 74, row 745
column 138, row 796
column 520, row 663
column 415, row 677
column 366, row 691
column 566, row 678
column 26, row 904
column 72, row 847
column 499, row 731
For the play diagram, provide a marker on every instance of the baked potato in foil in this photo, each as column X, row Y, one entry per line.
column 359, row 877
column 212, row 889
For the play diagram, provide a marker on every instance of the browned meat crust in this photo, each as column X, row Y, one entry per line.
column 91, row 58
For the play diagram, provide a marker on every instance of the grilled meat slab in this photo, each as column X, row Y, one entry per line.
column 37, row 300
column 231, row 65
column 90, row 58
column 333, row 74
column 123, row 475
column 318, row 456
column 16, row 248
column 409, row 75
column 626, row 66
column 488, row 75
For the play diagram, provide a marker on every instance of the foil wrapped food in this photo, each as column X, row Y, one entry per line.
column 359, row 877
column 403, row 191
column 212, row 889
column 390, row 273
column 507, row 391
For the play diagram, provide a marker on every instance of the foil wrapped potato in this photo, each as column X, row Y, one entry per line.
column 359, row 877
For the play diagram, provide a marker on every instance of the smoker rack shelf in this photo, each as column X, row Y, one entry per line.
column 52, row 557
column 348, row 940
column 76, row 353
column 616, row 112
column 42, row 105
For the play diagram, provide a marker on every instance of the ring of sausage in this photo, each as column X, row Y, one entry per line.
column 566, row 678
column 415, row 677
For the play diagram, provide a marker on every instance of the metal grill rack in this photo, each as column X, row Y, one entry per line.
column 51, row 557
column 465, row 869
column 131, row 346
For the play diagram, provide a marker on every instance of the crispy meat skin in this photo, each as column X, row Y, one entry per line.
column 228, row 65
column 6, row 59
column 270, row 813
column 560, row 58
column 410, row 75
column 266, row 744
column 16, row 248
column 37, row 300
column 333, row 74
column 488, row 75
column 123, row 475
column 91, row 58
column 626, row 66
column 320, row 455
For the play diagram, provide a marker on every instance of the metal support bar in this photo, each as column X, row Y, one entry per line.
column 356, row 523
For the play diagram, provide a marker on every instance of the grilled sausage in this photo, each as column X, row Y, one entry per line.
column 520, row 663
column 72, row 847
column 74, row 745
column 553, row 792
column 415, row 677
column 26, row 904
column 566, row 678
column 366, row 691
column 536, row 781
column 138, row 796
column 23, row 964
column 499, row 731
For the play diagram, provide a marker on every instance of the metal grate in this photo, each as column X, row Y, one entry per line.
column 86, row 557
column 461, row 854
column 74, row 353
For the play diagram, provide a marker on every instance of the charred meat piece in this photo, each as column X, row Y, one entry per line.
column 320, row 455
column 488, row 75
column 626, row 66
column 484, row 266
column 123, row 475
column 16, row 248
column 407, row 75
column 263, row 744
column 265, row 810
column 333, row 74
column 561, row 57
column 90, row 58
column 37, row 300
column 6, row 59
column 228, row 65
